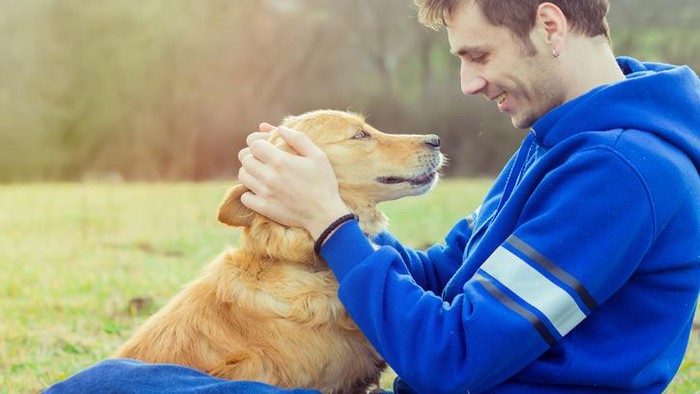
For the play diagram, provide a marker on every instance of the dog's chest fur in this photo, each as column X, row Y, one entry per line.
column 267, row 311
column 313, row 339
column 295, row 296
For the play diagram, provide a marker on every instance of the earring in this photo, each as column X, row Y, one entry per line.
column 555, row 54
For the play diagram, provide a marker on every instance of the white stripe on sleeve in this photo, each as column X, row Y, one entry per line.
column 535, row 289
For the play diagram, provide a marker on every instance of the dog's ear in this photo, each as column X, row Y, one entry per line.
column 232, row 211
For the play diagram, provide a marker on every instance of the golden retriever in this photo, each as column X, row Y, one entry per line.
column 268, row 310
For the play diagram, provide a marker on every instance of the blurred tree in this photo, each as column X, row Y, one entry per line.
column 26, row 88
column 105, row 53
column 168, row 89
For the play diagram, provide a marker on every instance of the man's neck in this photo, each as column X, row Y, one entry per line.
column 590, row 63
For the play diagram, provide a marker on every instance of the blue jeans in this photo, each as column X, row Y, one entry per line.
column 124, row 376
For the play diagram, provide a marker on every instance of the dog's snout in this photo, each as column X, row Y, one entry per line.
column 432, row 141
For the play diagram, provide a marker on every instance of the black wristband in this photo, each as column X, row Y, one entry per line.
column 331, row 227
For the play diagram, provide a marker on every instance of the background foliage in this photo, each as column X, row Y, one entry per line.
column 167, row 89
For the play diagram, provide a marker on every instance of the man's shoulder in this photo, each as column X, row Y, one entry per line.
column 645, row 150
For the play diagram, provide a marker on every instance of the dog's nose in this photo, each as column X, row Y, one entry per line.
column 432, row 141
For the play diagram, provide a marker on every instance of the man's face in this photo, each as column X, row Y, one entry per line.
column 521, row 80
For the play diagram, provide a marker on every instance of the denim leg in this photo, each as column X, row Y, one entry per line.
column 125, row 376
column 400, row 387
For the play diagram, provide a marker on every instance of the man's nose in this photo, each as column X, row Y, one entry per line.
column 471, row 82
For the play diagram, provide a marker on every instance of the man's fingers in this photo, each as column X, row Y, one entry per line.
column 257, row 136
column 298, row 141
column 252, row 201
column 266, row 127
column 252, row 183
column 254, row 167
column 269, row 154
column 243, row 153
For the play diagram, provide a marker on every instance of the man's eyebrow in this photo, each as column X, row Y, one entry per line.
column 468, row 50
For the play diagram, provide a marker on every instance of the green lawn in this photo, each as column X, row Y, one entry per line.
column 74, row 255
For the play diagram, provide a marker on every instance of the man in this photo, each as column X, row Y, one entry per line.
column 580, row 271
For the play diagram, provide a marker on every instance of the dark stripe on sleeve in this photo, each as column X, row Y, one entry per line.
column 554, row 270
column 512, row 305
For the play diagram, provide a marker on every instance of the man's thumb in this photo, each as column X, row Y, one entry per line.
column 298, row 141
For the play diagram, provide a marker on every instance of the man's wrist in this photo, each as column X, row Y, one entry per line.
column 328, row 231
column 317, row 228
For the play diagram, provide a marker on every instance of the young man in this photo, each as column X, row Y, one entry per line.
column 580, row 271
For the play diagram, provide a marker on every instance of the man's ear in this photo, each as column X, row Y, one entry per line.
column 232, row 211
column 554, row 24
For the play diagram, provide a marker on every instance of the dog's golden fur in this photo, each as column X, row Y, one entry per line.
column 268, row 310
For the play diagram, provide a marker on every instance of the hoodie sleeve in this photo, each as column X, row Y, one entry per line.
column 433, row 268
column 580, row 236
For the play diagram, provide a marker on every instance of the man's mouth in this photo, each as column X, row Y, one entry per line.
column 417, row 181
column 501, row 98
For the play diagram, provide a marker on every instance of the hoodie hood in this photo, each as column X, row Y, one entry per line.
column 657, row 98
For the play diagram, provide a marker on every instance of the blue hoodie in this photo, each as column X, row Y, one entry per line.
column 580, row 271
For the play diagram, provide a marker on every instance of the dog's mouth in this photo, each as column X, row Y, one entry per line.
column 420, row 180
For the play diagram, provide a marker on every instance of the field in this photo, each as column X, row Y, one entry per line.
column 83, row 264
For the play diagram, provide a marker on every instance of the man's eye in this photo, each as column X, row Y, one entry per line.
column 361, row 135
column 481, row 59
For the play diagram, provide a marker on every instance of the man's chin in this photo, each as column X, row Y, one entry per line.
column 525, row 119
column 522, row 124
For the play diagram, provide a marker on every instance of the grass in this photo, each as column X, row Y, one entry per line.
column 83, row 264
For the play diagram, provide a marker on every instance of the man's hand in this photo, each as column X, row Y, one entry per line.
column 299, row 191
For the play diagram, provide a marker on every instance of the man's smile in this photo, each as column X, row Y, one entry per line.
column 501, row 98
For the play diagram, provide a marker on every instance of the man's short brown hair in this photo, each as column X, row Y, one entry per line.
column 584, row 16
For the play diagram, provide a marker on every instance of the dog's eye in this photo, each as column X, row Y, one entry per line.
column 361, row 135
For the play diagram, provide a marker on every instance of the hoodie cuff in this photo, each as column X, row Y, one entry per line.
column 346, row 248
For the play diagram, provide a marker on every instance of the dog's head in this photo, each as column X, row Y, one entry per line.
column 371, row 166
